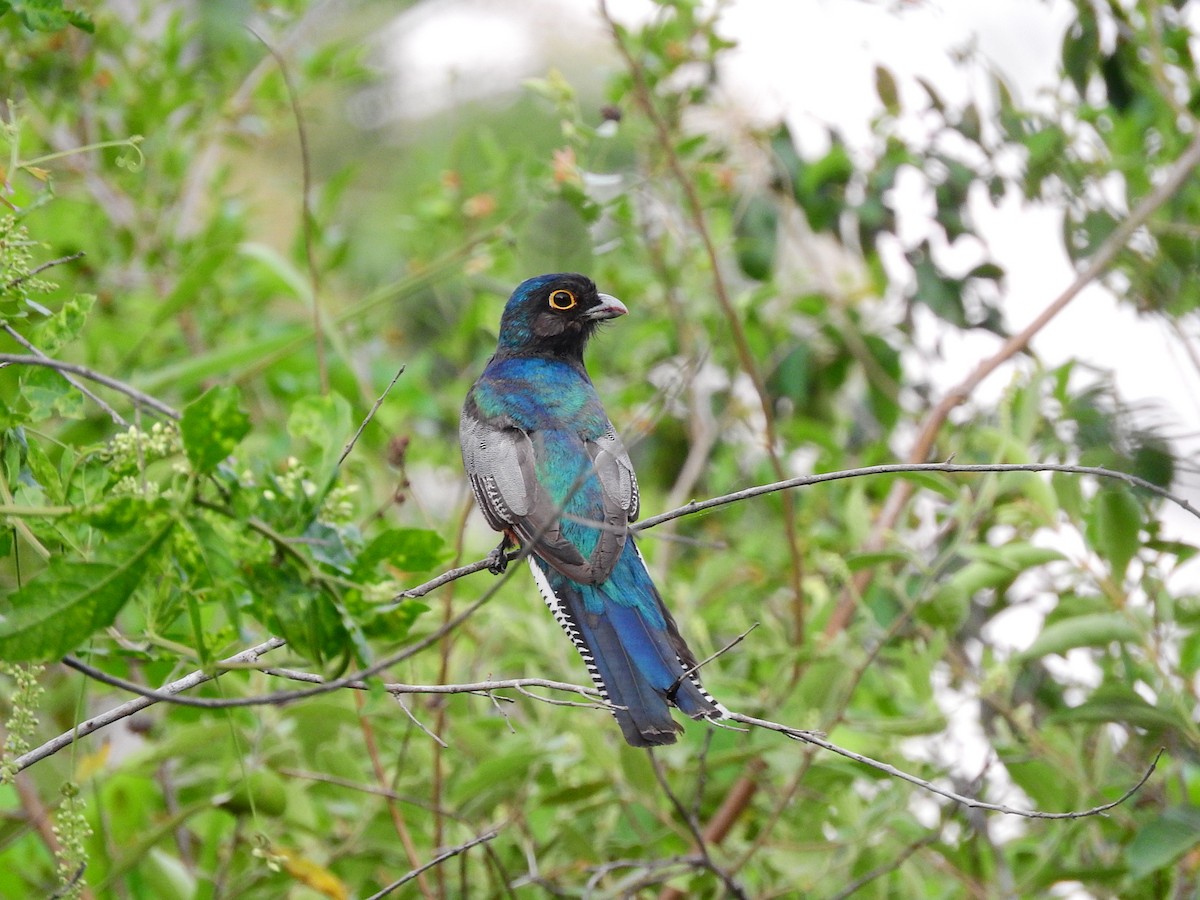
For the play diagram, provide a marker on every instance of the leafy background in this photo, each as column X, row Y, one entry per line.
column 264, row 305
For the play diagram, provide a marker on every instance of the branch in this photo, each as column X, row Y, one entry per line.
column 731, row 886
column 281, row 698
column 117, row 713
column 811, row 737
column 167, row 693
column 42, row 268
column 900, row 468
column 307, row 218
column 437, row 860
column 367, row 420
column 142, row 399
column 69, row 378
column 1175, row 177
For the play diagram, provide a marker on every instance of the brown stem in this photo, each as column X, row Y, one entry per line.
column 398, row 822
column 898, row 496
column 745, row 354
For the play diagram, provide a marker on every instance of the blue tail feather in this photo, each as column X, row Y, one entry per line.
column 631, row 647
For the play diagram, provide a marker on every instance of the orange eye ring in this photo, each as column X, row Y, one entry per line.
column 562, row 300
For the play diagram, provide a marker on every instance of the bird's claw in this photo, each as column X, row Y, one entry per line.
column 497, row 560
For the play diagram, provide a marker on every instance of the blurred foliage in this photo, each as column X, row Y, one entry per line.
column 155, row 540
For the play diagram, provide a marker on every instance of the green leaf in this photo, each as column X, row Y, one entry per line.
column 755, row 238
column 66, row 324
column 73, row 599
column 1118, row 523
column 1163, row 840
column 212, row 426
column 227, row 358
column 407, row 549
column 285, row 277
column 950, row 602
column 49, row 394
column 1119, row 704
column 885, row 89
column 1016, row 557
column 47, row 15
column 1089, row 630
column 324, row 422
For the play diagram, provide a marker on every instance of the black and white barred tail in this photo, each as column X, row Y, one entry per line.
column 638, row 665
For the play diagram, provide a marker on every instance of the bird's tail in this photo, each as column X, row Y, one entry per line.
column 631, row 647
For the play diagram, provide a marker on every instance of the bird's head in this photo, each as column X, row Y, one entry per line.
column 554, row 315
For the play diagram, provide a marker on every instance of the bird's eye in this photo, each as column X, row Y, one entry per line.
column 562, row 299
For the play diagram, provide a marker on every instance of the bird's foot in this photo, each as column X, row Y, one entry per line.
column 497, row 560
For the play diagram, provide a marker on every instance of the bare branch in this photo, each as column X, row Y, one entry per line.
column 281, row 698
column 812, row 737
column 142, row 399
column 68, row 377
column 734, row 889
column 890, row 866
column 437, row 860
column 42, row 268
column 370, row 415
column 899, row 469
column 248, row 656
column 704, row 662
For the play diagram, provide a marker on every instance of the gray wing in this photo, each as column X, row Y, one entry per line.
column 616, row 473
column 501, row 466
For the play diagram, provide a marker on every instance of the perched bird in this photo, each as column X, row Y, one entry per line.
column 549, row 471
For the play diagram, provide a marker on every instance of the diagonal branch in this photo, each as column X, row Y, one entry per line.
column 812, row 737
column 138, row 397
column 436, row 861
column 69, row 378
column 245, row 657
column 1104, row 257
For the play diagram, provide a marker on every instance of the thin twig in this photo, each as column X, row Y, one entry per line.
column 693, row 827
column 42, row 268
column 704, row 662
column 117, row 713
column 890, row 866
column 370, row 415
column 67, row 376
column 142, row 399
column 308, row 220
column 811, row 737
column 900, row 468
column 281, row 698
column 394, row 811
column 437, row 860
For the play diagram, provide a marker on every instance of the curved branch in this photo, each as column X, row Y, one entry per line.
column 245, row 657
column 900, row 468
column 811, row 737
